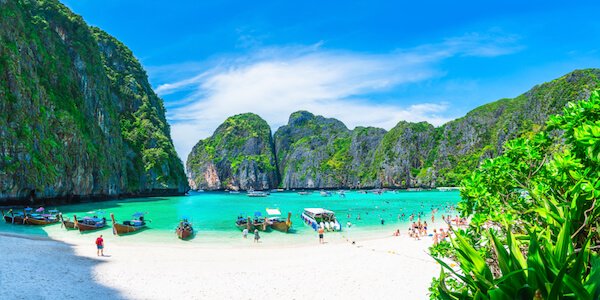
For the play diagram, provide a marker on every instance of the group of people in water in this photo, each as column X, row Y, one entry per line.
column 419, row 228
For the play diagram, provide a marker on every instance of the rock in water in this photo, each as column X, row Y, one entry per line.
column 239, row 156
column 78, row 118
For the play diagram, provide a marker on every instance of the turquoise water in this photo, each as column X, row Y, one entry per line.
column 213, row 213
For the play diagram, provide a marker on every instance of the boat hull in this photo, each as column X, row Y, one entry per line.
column 184, row 233
column 281, row 226
column 85, row 227
column 32, row 221
column 11, row 218
column 119, row 229
column 67, row 224
column 261, row 226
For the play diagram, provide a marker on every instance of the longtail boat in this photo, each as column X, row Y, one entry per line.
column 244, row 223
column 66, row 223
column 41, row 218
column 135, row 224
column 184, row 230
column 12, row 217
column 89, row 223
column 274, row 220
column 260, row 222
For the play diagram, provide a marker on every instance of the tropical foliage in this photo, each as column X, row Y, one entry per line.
column 534, row 217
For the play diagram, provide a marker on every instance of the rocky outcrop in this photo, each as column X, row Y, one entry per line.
column 238, row 156
column 317, row 152
column 401, row 159
column 313, row 152
column 481, row 134
column 363, row 146
column 78, row 118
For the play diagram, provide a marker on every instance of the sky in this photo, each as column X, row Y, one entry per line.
column 366, row 63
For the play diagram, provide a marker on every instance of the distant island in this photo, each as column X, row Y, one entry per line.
column 316, row 152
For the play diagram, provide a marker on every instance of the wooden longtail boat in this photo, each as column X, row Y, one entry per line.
column 43, row 219
column 260, row 224
column 13, row 218
column 241, row 223
column 66, row 223
column 274, row 220
column 89, row 223
column 135, row 224
column 184, row 230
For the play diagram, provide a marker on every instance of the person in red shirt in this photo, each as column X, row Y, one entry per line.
column 100, row 246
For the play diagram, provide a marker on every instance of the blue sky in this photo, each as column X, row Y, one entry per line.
column 369, row 63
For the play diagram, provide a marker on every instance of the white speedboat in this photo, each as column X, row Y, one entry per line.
column 319, row 217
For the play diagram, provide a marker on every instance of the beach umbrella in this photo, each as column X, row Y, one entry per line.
column 41, row 209
column 257, row 214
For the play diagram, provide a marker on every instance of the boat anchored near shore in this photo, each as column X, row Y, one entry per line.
column 135, row 224
column 319, row 217
column 276, row 222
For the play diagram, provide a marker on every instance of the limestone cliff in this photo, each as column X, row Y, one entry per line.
column 238, row 156
column 78, row 118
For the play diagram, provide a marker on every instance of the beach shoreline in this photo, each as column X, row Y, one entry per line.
column 378, row 267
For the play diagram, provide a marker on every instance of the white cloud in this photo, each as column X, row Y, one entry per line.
column 275, row 82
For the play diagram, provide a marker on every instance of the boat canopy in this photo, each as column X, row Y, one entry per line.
column 273, row 212
column 138, row 214
column 317, row 211
column 257, row 214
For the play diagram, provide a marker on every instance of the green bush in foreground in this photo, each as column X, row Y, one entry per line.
column 535, row 217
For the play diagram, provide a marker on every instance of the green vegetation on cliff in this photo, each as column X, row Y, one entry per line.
column 61, row 112
column 534, row 217
column 313, row 151
column 317, row 152
column 239, row 155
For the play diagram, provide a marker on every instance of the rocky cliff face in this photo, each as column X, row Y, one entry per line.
column 74, row 118
column 401, row 159
column 481, row 134
column 363, row 146
column 313, row 152
column 317, row 152
column 239, row 155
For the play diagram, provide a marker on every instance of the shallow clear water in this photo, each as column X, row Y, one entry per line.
column 213, row 214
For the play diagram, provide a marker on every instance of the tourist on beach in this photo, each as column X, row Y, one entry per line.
column 425, row 228
column 382, row 221
column 100, row 246
column 256, row 236
column 435, row 237
column 397, row 233
column 245, row 233
column 321, row 232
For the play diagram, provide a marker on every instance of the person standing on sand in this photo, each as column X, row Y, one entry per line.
column 245, row 233
column 256, row 236
column 321, row 232
column 435, row 237
column 100, row 246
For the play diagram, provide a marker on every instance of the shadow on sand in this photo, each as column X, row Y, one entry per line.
column 38, row 267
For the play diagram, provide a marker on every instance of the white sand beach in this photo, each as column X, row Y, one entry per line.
column 47, row 268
